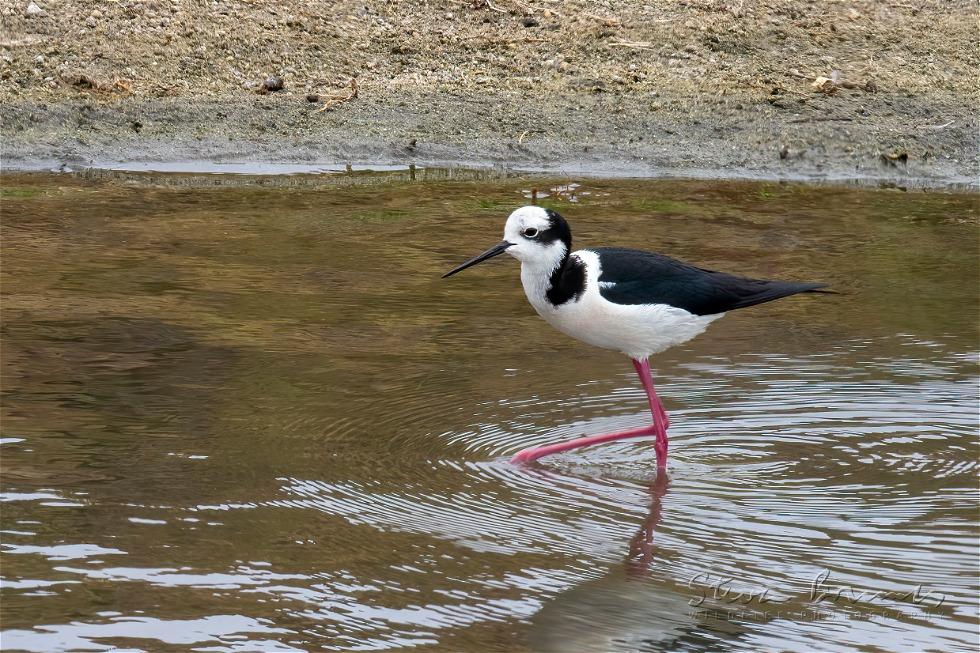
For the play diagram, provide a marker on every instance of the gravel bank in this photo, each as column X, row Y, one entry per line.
column 878, row 90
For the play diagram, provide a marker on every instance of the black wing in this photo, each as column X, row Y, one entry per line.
column 630, row 276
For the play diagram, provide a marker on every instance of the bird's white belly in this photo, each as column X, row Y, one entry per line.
column 635, row 330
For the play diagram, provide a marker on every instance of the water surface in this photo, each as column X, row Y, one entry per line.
column 256, row 419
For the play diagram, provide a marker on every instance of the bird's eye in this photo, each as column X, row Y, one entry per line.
column 530, row 232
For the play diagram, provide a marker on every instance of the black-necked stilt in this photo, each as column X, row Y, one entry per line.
column 636, row 302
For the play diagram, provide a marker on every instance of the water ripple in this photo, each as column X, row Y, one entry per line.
column 790, row 477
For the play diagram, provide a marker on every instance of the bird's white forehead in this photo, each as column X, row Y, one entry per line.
column 527, row 216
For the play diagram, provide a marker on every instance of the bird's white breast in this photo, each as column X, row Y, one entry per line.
column 637, row 330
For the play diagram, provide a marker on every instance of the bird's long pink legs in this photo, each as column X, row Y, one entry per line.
column 660, row 420
column 658, row 428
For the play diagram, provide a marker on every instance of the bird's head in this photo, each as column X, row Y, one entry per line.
column 533, row 235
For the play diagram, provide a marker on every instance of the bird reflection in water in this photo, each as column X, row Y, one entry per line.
column 641, row 547
column 644, row 609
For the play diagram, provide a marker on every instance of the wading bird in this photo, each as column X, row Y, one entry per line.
column 636, row 302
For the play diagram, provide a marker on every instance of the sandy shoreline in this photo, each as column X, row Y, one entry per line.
column 673, row 89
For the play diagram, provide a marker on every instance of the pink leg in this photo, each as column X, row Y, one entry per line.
column 527, row 455
column 660, row 421
column 658, row 428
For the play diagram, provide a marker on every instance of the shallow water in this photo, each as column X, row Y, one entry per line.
column 256, row 419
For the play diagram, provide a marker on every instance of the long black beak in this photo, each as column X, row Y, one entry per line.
column 490, row 253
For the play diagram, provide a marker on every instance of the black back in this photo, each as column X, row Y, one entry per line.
column 646, row 278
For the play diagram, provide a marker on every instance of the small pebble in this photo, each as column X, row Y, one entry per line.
column 273, row 83
column 312, row 97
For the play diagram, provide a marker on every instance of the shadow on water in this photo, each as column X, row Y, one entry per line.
column 256, row 419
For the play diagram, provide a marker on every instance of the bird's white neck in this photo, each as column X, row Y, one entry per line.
column 536, row 277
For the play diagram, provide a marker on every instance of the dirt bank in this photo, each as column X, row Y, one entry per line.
column 880, row 89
